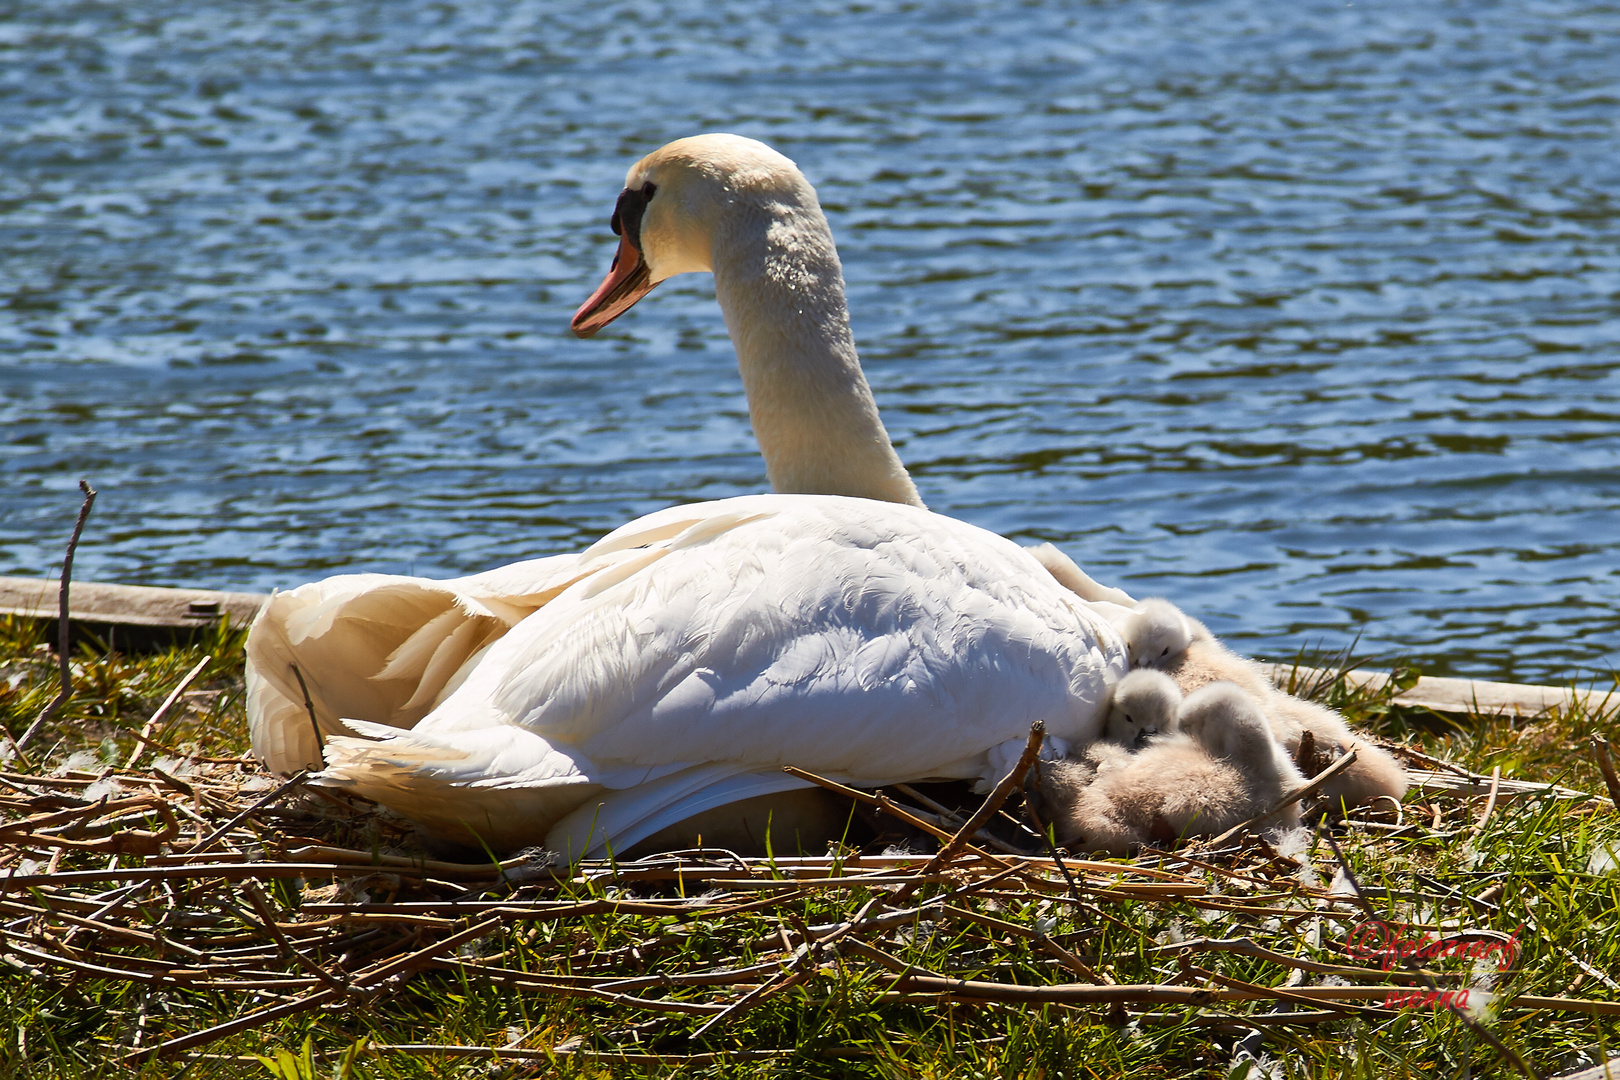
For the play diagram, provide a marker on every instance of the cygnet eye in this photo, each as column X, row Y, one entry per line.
column 1166, row 651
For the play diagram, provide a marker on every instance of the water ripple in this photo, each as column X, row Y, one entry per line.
column 1307, row 316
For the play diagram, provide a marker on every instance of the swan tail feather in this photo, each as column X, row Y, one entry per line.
column 1076, row 580
column 379, row 647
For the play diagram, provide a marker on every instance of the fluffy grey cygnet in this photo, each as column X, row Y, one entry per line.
column 1169, row 790
column 1373, row 775
column 1157, row 627
column 1228, row 724
column 1158, row 633
column 1220, row 767
column 1144, row 704
column 1062, row 780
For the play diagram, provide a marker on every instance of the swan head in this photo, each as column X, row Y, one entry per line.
column 675, row 202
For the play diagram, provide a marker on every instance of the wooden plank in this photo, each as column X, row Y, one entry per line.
column 1430, row 783
column 1461, row 695
column 127, row 605
column 1609, row 1070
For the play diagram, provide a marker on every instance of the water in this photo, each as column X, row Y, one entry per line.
column 1306, row 315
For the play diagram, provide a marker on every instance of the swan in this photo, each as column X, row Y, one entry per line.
column 370, row 656
column 694, row 652
column 389, row 648
column 412, row 691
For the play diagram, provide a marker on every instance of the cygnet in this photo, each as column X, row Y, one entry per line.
column 1158, row 633
column 1157, row 627
column 1169, row 790
column 1228, row 724
column 1373, row 775
column 1221, row 768
column 1062, row 781
column 1144, row 704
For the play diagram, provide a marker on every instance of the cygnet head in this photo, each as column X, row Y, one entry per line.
column 1157, row 634
column 676, row 202
column 1144, row 704
column 1228, row 723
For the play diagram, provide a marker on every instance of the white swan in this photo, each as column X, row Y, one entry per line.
column 675, row 665
column 706, row 646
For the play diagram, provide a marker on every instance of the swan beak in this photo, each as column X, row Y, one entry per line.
column 627, row 282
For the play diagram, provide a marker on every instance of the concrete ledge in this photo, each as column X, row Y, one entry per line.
column 1460, row 695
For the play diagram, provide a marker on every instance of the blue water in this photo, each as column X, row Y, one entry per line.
column 1305, row 315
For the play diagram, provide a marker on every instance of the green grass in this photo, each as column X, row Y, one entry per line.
column 1554, row 860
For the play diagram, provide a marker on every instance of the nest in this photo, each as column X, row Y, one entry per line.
column 210, row 881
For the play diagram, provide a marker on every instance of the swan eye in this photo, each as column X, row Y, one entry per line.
column 626, row 219
column 1166, row 651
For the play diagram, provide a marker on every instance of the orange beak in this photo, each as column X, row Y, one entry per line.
column 627, row 281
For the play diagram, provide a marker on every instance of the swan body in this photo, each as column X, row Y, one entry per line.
column 681, row 661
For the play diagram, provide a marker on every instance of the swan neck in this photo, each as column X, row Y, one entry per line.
column 781, row 288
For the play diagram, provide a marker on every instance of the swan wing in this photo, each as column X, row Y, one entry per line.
column 379, row 647
column 497, row 778
column 870, row 642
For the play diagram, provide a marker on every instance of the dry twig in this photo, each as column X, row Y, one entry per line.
column 64, row 655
